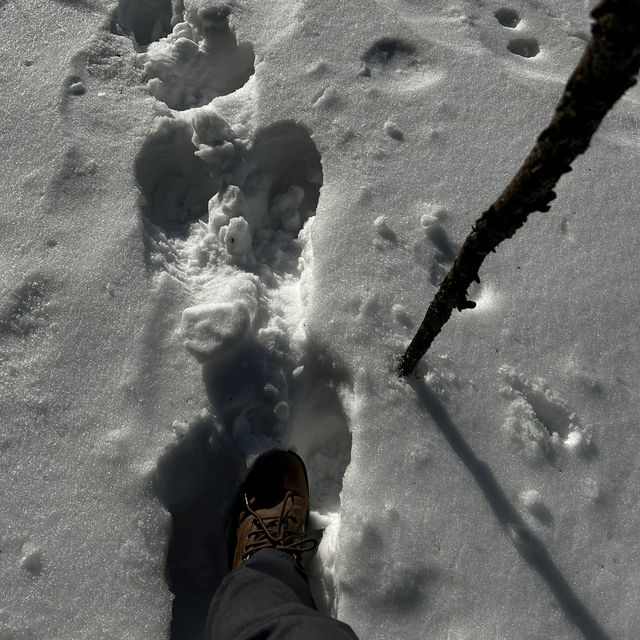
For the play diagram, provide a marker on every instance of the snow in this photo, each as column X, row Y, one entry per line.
column 222, row 223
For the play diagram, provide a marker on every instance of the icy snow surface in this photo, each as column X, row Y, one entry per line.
column 221, row 224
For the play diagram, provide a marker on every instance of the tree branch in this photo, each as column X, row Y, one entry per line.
column 606, row 70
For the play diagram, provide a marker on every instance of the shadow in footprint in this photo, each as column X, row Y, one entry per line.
column 281, row 180
column 201, row 61
column 244, row 388
column 24, row 311
column 438, row 263
column 387, row 54
column 265, row 404
column 143, row 21
column 319, row 428
column 196, row 480
column 525, row 47
column 438, row 236
column 527, row 544
column 175, row 184
column 507, row 17
column 286, row 153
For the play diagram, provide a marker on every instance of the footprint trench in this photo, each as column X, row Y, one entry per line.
column 226, row 220
column 221, row 216
column 240, row 267
column 242, row 258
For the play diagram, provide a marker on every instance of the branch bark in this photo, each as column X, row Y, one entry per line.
column 606, row 70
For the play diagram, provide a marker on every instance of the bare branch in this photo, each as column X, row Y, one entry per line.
column 606, row 70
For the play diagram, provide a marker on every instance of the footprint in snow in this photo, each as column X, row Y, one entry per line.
column 175, row 184
column 185, row 62
column 540, row 422
column 229, row 219
column 226, row 216
column 143, row 21
column 25, row 310
column 507, row 17
column 199, row 61
column 526, row 47
column 434, row 250
column 387, row 55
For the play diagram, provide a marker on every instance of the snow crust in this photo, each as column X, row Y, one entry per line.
column 222, row 223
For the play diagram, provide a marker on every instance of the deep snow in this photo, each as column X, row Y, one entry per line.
column 221, row 225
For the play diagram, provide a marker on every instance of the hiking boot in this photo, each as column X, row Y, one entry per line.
column 272, row 508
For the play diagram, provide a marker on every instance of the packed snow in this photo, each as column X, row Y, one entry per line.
column 221, row 225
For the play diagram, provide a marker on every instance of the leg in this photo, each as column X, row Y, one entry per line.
column 268, row 597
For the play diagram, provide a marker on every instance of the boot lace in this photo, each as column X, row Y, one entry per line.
column 274, row 532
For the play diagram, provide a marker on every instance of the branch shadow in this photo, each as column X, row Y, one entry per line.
column 528, row 545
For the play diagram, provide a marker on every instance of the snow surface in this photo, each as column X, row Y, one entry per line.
column 221, row 224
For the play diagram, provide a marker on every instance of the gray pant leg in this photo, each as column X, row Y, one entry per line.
column 268, row 598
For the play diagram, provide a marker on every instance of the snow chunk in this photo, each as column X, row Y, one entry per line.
column 31, row 559
column 328, row 98
column 215, row 140
column 432, row 213
column 222, row 208
column 211, row 330
column 393, row 131
column 323, row 575
column 532, row 501
column 318, row 68
column 77, row 88
column 285, row 208
column 384, row 230
column 236, row 237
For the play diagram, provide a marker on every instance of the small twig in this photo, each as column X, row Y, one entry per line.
column 606, row 70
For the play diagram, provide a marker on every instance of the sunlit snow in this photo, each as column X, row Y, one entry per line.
column 221, row 224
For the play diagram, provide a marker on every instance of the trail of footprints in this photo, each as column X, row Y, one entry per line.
column 223, row 213
column 523, row 46
column 226, row 214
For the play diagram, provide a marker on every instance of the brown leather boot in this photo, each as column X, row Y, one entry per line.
column 272, row 508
